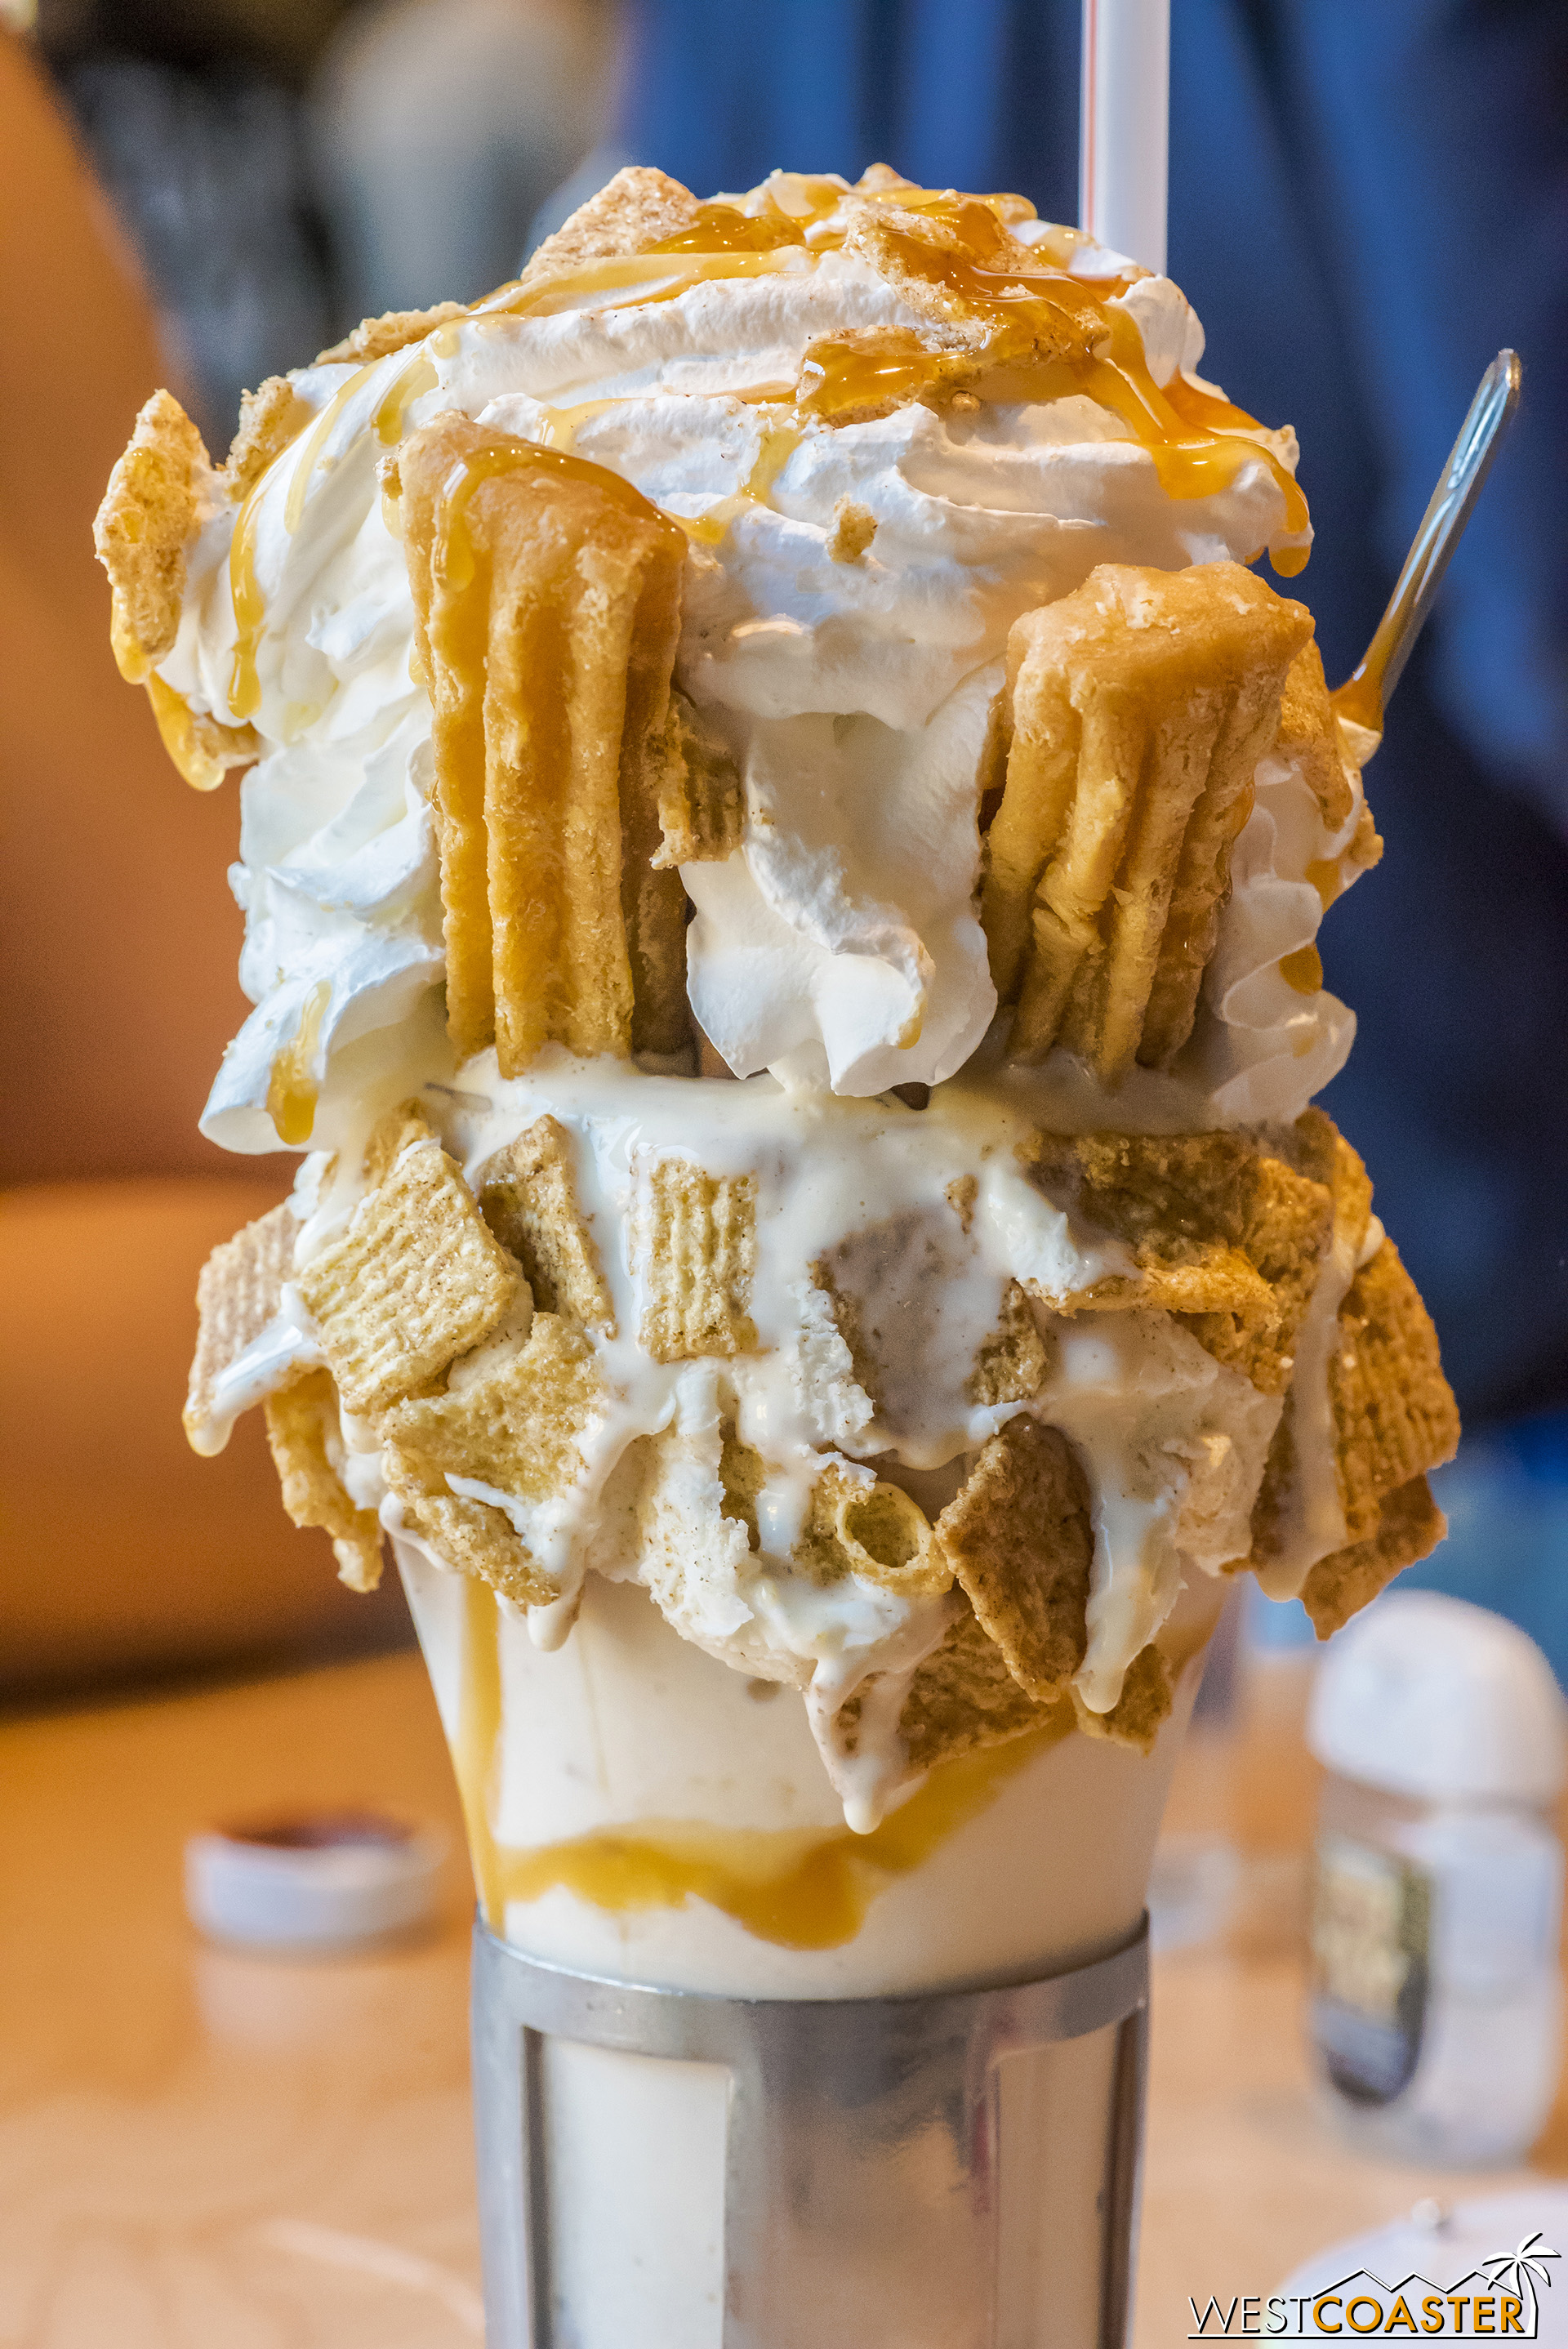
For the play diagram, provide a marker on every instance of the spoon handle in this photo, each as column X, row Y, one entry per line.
column 1365, row 695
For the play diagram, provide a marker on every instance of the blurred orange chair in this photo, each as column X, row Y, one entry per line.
column 123, row 1551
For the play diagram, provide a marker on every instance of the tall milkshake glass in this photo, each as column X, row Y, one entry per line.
column 740, row 2073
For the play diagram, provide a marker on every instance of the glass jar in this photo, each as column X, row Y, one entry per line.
column 1435, row 2013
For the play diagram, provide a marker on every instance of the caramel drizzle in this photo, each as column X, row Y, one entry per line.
column 800, row 1887
column 415, row 376
column 1198, row 441
column 1303, row 970
column 292, row 1087
column 779, row 444
column 455, row 550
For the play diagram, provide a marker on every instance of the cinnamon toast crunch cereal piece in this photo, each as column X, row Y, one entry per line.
column 1146, row 1698
column 547, row 593
column 1318, row 1150
column 1314, row 1146
column 699, row 803
column 1141, row 706
column 1409, row 1525
column 1019, row 1538
column 529, row 1199
column 695, row 1240
column 302, row 1432
column 1225, row 1233
column 271, row 419
column 392, row 1135
column 237, row 1294
column 469, row 1537
column 634, row 211
column 857, row 1524
column 201, row 748
column 415, row 1280
column 376, row 339
column 515, row 1428
column 962, row 1699
column 1272, row 1505
column 1011, row 1365
column 143, row 527
column 1393, row 1410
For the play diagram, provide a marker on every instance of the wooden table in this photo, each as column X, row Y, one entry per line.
column 200, row 2150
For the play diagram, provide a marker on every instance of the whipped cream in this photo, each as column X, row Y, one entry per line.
column 838, row 945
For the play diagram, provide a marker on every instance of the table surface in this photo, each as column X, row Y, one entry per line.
column 203, row 2149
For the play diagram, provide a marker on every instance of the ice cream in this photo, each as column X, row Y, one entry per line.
column 804, row 638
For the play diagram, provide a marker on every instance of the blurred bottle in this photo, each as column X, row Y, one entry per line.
column 1437, row 1909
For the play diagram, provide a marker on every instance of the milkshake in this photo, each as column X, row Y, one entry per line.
column 783, row 854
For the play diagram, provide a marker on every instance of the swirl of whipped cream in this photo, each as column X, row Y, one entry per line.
column 852, row 679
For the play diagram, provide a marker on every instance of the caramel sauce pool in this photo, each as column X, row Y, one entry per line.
column 802, row 1887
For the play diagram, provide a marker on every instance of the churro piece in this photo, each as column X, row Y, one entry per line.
column 694, row 1236
column 529, row 1199
column 306, row 1444
column 1393, row 1410
column 700, row 805
column 547, row 596
column 238, row 1292
column 142, row 529
column 857, row 1525
column 1141, row 706
column 376, row 339
column 1409, row 1525
column 1309, row 734
column 634, row 211
column 1225, row 1233
column 1019, row 1539
column 516, row 1430
column 1146, row 1698
column 415, row 1280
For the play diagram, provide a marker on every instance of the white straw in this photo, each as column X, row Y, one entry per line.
column 1124, row 126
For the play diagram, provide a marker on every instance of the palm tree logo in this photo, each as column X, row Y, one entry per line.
column 1517, row 2272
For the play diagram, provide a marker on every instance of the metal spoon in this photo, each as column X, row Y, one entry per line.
column 1365, row 693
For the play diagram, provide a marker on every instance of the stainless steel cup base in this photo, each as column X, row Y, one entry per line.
column 898, row 2172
